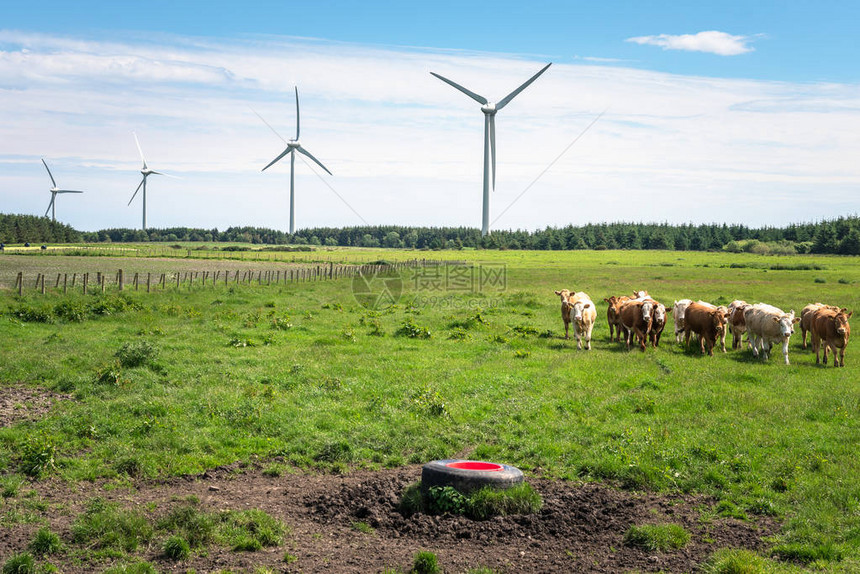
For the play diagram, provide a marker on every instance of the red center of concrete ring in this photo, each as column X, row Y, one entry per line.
column 472, row 465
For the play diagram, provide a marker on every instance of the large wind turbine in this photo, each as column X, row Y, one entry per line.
column 146, row 173
column 490, row 110
column 295, row 146
column 52, row 207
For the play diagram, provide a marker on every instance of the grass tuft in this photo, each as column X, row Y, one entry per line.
column 662, row 537
column 20, row 564
column 425, row 563
column 45, row 542
column 106, row 526
column 250, row 530
column 176, row 548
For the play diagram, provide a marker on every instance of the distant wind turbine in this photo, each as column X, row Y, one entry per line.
column 146, row 173
column 490, row 110
column 52, row 207
column 294, row 146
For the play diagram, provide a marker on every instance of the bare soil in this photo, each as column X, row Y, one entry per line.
column 19, row 403
column 580, row 528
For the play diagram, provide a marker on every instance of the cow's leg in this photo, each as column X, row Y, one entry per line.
column 826, row 348
column 841, row 356
column 687, row 337
column 816, row 346
column 803, row 331
column 566, row 327
column 577, row 332
column 588, row 331
column 785, row 350
column 753, row 341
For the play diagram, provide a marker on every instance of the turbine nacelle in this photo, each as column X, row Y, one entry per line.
column 489, row 108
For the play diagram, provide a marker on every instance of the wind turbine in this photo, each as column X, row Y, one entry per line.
column 146, row 173
column 490, row 110
column 52, row 207
column 294, row 146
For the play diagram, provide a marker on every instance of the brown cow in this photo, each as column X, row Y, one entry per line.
column 707, row 321
column 831, row 327
column 737, row 323
column 613, row 318
column 806, row 318
column 565, row 310
column 636, row 319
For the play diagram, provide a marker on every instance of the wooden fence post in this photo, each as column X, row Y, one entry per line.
column 148, row 276
column 74, row 278
column 65, row 282
column 19, row 282
column 58, row 280
column 119, row 278
column 85, row 280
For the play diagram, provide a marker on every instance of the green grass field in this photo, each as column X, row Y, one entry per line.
column 177, row 382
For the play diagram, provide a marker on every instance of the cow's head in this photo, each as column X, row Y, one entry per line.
column 660, row 314
column 786, row 323
column 577, row 309
column 648, row 311
column 720, row 319
column 841, row 320
column 640, row 294
column 564, row 294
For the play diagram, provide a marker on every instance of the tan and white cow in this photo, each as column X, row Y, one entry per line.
column 583, row 314
column 767, row 325
column 679, row 311
column 565, row 310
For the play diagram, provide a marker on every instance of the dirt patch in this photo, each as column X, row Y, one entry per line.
column 579, row 529
column 19, row 403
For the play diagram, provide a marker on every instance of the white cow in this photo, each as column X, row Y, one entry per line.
column 767, row 325
column 679, row 310
column 583, row 313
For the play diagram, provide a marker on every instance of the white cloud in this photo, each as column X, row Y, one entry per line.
column 403, row 146
column 712, row 42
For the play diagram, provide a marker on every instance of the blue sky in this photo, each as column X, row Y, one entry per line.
column 715, row 111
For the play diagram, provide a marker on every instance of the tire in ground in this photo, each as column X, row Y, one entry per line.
column 468, row 475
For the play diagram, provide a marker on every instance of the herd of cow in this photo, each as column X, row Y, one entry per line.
column 642, row 318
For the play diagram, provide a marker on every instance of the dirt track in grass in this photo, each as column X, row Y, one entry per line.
column 580, row 528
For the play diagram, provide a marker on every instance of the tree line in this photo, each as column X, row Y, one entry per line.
column 34, row 229
column 836, row 236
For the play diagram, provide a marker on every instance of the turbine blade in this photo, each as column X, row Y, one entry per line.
column 319, row 163
column 140, row 149
column 493, row 145
column 513, row 94
column 68, row 191
column 480, row 99
column 297, row 112
column 49, row 173
column 50, row 205
column 136, row 190
column 271, row 163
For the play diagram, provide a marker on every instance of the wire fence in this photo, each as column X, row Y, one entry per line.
column 86, row 282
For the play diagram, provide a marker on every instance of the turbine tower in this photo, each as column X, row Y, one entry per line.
column 490, row 110
column 294, row 146
column 146, row 173
column 52, row 207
